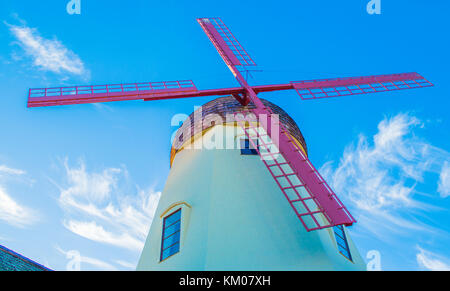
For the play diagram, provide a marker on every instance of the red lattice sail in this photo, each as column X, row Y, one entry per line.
column 106, row 93
column 226, row 44
column 326, row 88
column 310, row 197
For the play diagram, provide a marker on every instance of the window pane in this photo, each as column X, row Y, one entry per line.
column 345, row 253
column 339, row 231
column 172, row 229
column 245, row 143
column 171, row 240
column 170, row 251
column 340, row 241
column 246, row 152
column 172, row 218
column 247, row 148
column 341, row 247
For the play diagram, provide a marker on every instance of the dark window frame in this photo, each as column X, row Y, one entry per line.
column 177, row 232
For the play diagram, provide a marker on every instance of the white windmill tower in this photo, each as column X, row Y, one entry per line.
column 221, row 209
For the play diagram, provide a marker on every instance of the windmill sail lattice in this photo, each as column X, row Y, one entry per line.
column 227, row 45
column 297, row 181
column 327, row 209
column 106, row 93
column 309, row 195
column 325, row 88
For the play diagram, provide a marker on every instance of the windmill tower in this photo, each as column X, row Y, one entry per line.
column 242, row 192
column 221, row 209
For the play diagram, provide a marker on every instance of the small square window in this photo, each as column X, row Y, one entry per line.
column 247, row 147
column 170, row 243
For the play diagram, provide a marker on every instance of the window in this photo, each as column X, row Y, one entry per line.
column 170, row 243
column 341, row 241
column 247, row 147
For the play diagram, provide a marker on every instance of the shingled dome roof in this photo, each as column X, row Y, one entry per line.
column 224, row 106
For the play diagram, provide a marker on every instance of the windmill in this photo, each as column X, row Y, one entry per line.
column 309, row 196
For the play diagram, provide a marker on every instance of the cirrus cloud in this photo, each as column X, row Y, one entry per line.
column 431, row 261
column 100, row 206
column 444, row 180
column 93, row 231
column 47, row 54
column 12, row 211
column 379, row 176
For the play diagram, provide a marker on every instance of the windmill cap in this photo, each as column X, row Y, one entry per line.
column 221, row 109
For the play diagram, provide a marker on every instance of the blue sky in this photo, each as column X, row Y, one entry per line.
column 87, row 178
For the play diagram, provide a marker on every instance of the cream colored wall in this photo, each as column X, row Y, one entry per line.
column 238, row 218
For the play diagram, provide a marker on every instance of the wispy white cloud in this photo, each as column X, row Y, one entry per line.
column 101, row 265
column 91, row 230
column 431, row 261
column 6, row 170
column 444, row 180
column 12, row 211
column 99, row 206
column 127, row 265
column 379, row 177
column 47, row 54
